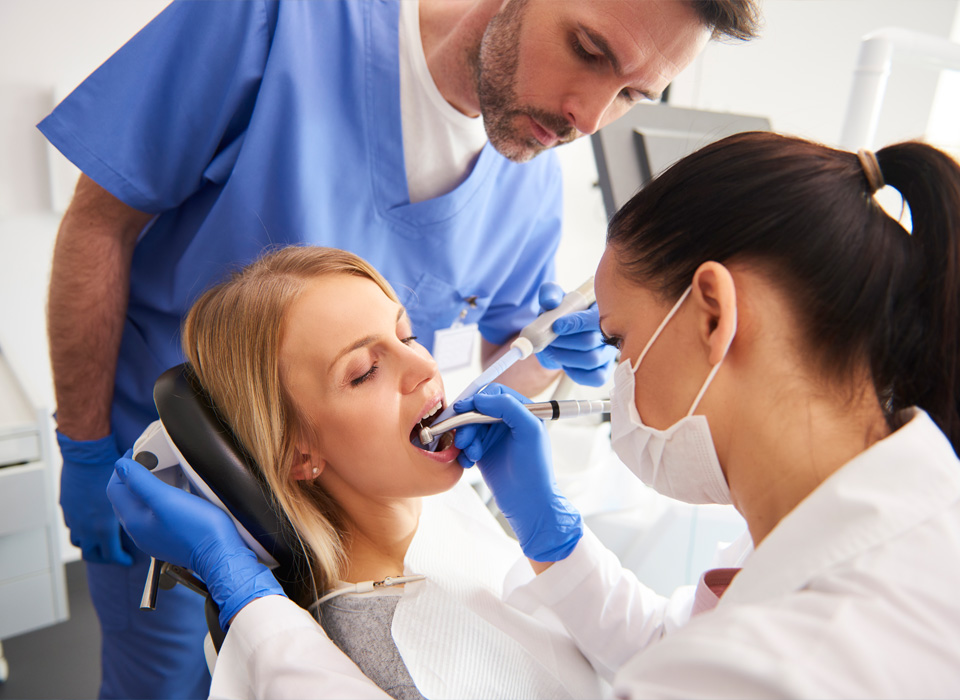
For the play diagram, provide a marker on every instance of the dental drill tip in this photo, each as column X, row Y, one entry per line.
column 426, row 437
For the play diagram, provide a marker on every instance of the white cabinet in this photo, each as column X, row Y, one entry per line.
column 32, row 585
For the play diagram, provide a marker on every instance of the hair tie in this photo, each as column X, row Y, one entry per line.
column 871, row 168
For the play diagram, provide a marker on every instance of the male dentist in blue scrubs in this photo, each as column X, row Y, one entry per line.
column 401, row 131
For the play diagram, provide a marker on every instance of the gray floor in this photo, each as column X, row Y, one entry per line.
column 62, row 661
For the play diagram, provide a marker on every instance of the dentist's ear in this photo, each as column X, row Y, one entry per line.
column 715, row 296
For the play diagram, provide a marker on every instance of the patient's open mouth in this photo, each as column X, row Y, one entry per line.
column 446, row 439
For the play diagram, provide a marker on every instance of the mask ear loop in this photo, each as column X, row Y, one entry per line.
column 646, row 348
column 663, row 323
column 716, row 367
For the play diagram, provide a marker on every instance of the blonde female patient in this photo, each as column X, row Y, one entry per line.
column 310, row 358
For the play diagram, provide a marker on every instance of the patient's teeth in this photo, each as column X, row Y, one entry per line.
column 431, row 413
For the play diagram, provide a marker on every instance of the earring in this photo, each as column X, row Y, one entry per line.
column 316, row 472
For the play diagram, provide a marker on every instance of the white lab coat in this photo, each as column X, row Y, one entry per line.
column 853, row 594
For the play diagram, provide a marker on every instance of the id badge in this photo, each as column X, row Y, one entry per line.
column 453, row 347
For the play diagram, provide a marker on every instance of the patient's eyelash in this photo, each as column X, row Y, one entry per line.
column 373, row 370
column 365, row 376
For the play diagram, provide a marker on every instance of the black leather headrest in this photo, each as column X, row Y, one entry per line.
column 214, row 453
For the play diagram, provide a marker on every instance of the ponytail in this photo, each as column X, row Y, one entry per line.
column 924, row 357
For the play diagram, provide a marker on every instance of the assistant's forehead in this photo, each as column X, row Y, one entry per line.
column 608, row 279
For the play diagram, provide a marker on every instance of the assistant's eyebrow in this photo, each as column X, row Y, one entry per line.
column 608, row 53
column 363, row 342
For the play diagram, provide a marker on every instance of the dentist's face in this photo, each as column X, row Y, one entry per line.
column 552, row 70
column 351, row 366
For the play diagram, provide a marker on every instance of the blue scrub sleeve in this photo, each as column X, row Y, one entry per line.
column 516, row 303
column 172, row 104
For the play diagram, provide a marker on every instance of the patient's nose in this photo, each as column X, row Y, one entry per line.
column 419, row 368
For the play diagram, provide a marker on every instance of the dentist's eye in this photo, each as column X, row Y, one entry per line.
column 365, row 376
column 582, row 52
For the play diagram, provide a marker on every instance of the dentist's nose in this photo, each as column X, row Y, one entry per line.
column 586, row 110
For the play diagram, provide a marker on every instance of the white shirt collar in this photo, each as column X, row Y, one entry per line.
column 897, row 483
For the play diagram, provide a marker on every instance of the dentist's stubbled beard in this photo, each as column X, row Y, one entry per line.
column 503, row 117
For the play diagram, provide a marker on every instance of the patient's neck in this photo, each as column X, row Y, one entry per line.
column 378, row 538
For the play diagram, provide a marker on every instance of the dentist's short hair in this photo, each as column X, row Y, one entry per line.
column 730, row 19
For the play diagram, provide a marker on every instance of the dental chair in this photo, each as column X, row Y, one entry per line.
column 192, row 448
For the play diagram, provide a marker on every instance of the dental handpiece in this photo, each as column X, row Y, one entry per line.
column 547, row 410
column 537, row 335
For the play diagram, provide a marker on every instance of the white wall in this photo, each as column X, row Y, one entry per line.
column 944, row 126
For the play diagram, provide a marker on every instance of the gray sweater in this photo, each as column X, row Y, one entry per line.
column 360, row 626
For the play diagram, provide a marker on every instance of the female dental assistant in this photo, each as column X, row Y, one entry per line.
column 787, row 347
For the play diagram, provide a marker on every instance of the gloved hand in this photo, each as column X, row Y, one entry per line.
column 183, row 529
column 514, row 459
column 94, row 528
column 579, row 349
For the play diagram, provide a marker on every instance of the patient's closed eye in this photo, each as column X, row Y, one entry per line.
column 365, row 376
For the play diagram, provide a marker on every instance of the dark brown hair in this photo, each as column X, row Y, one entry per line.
column 867, row 292
column 734, row 19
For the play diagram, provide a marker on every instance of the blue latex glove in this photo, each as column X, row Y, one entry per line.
column 183, row 529
column 514, row 459
column 94, row 528
column 579, row 349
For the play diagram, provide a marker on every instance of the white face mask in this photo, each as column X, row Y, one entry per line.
column 679, row 462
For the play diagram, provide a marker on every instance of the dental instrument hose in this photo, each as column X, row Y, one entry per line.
column 547, row 410
column 533, row 338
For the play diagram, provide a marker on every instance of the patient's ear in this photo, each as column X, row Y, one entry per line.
column 306, row 466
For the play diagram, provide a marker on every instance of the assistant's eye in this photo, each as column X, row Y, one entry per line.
column 365, row 376
column 611, row 340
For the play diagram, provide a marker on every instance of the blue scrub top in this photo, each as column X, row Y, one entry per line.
column 244, row 125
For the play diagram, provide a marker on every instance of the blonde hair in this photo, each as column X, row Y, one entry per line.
column 231, row 337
